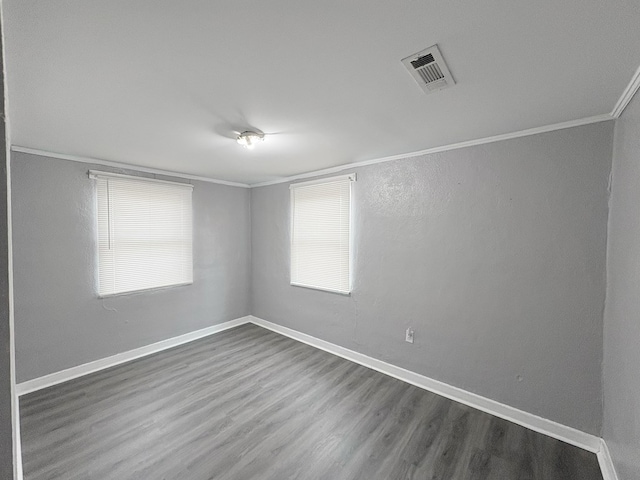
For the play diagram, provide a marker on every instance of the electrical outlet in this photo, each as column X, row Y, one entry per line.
column 409, row 335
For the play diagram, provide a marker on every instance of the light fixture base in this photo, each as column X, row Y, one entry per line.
column 248, row 139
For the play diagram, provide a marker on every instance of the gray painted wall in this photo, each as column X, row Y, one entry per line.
column 621, row 428
column 494, row 254
column 60, row 322
column 6, row 431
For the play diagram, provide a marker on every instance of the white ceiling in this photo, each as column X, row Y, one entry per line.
column 164, row 84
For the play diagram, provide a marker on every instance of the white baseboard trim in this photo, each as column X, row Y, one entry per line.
column 103, row 363
column 542, row 425
column 553, row 429
column 606, row 462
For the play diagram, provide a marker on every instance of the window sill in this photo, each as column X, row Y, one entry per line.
column 145, row 290
column 328, row 290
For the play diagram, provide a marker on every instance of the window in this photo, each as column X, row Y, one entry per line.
column 144, row 233
column 320, row 234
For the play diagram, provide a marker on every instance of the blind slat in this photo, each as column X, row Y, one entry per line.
column 144, row 235
column 320, row 235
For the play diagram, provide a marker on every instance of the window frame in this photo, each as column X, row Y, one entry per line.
column 352, row 177
column 106, row 176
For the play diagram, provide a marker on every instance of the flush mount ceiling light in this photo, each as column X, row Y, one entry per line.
column 250, row 139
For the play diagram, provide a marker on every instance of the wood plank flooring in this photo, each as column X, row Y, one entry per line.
column 251, row 404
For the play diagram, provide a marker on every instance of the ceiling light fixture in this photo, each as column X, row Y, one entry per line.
column 250, row 139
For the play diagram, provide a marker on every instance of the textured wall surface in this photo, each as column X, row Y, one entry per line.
column 621, row 428
column 60, row 322
column 494, row 254
column 6, row 433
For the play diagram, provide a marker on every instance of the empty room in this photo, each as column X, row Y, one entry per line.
column 372, row 240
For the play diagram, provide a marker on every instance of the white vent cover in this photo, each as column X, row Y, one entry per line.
column 429, row 70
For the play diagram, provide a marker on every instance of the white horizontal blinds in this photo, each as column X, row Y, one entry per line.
column 320, row 238
column 144, row 234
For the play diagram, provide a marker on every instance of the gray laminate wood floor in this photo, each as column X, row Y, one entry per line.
column 251, row 404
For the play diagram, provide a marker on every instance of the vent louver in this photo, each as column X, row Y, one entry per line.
column 422, row 61
column 429, row 70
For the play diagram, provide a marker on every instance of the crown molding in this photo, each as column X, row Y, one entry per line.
column 339, row 168
column 623, row 101
column 444, row 148
column 107, row 163
column 627, row 95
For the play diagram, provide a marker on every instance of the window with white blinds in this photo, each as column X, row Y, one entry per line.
column 320, row 234
column 144, row 233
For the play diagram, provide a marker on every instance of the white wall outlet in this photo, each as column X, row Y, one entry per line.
column 409, row 335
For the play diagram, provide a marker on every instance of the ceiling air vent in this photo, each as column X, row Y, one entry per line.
column 429, row 70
